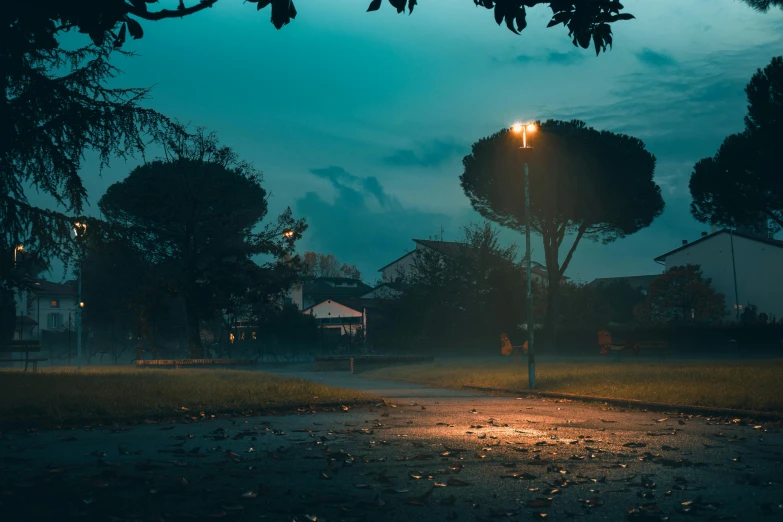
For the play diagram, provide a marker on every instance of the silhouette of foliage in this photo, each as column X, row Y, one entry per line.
column 682, row 295
column 55, row 107
column 315, row 264
column 593, row 184
column 116, row 20
column 468, row 296
column 196, row 216
column 742, row 184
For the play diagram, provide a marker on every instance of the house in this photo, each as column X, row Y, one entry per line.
column 400, row 267
column 320, row 289
column 384, row 291
column 46, row 306
column 339, row 318
column 640, row 282
column 746, row 268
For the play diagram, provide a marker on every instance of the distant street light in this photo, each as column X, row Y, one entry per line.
column 524, row 128
column 18, row 248
column 79, row 230
column 288, row 234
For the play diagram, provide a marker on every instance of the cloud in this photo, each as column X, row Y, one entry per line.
column 655, row 59
column 553, row 58
column 364, row 225
column 428, row 154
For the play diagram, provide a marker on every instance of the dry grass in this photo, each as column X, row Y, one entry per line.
column 748, row 385
column 102, row 395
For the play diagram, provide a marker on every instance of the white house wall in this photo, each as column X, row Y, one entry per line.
column 759, row 270
column 332, row 309
column 400, row 267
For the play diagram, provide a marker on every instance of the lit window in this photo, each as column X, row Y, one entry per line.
column 253, row 335
column 231, row 338
column 55, row 303
column 242, row 336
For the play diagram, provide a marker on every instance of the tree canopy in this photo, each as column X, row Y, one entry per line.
column 197, row 216
column 741, row 184
column 466, row 297
column 586, row 183
column 117, row 20
column 315, row 264
column 682, row 295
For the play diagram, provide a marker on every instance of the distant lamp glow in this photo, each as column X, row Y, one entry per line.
column 17, row 249
column 81, row 304
column 288, row 233
column 523, row 129
column 79, row 229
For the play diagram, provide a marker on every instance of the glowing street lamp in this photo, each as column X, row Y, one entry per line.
column 79, row 230
column 523, row 129
column 288, row 234
column 17, row 249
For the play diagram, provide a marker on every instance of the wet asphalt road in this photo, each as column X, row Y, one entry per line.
column 425, row 455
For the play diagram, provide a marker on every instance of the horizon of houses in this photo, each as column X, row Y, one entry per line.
column 743, row 265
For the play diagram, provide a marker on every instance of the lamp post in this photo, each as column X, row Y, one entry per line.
column 519, row 128
column 79, row 230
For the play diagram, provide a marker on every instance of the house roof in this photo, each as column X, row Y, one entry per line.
column 639, row 281
column 456, row 249
column 744, row 235
column 330, row 286
column 43, row 287
column 397, row 287
column 381, row 269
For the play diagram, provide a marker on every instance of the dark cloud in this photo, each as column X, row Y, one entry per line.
column 356, row 229
column 351, row 187
column 428, row 154
column 655, row 59
column 553, row 57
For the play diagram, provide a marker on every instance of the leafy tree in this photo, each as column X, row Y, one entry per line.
column 116, row 20
column 470, row 293
column 682, row 295
column 591, row 184
column 327, row 265
column 741, row 185
column 196, row 217
column 595, row 306
column 54, row 107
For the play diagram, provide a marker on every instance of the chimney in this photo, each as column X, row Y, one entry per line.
column 703, row 234
column 684, row 241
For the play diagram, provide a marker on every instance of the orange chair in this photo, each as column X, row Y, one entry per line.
column 507, row 349
column 606, row 344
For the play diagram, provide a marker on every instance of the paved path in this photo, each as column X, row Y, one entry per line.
column 388, row 389
column 440, row 457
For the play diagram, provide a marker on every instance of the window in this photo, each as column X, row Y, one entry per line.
column 254, row 336
column 55, row 303
column 54, row 321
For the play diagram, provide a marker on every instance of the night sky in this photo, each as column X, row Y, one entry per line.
column 359, row 121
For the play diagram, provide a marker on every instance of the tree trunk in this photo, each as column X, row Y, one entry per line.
column 194, row 335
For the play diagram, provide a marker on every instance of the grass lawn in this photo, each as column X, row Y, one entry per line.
column 103, row 395
column 747, row 385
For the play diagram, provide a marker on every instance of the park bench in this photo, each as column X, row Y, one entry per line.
column 658, row 348
column 11, row 347
column 198, row 363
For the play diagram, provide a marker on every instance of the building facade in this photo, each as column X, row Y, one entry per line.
column 747, row 269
